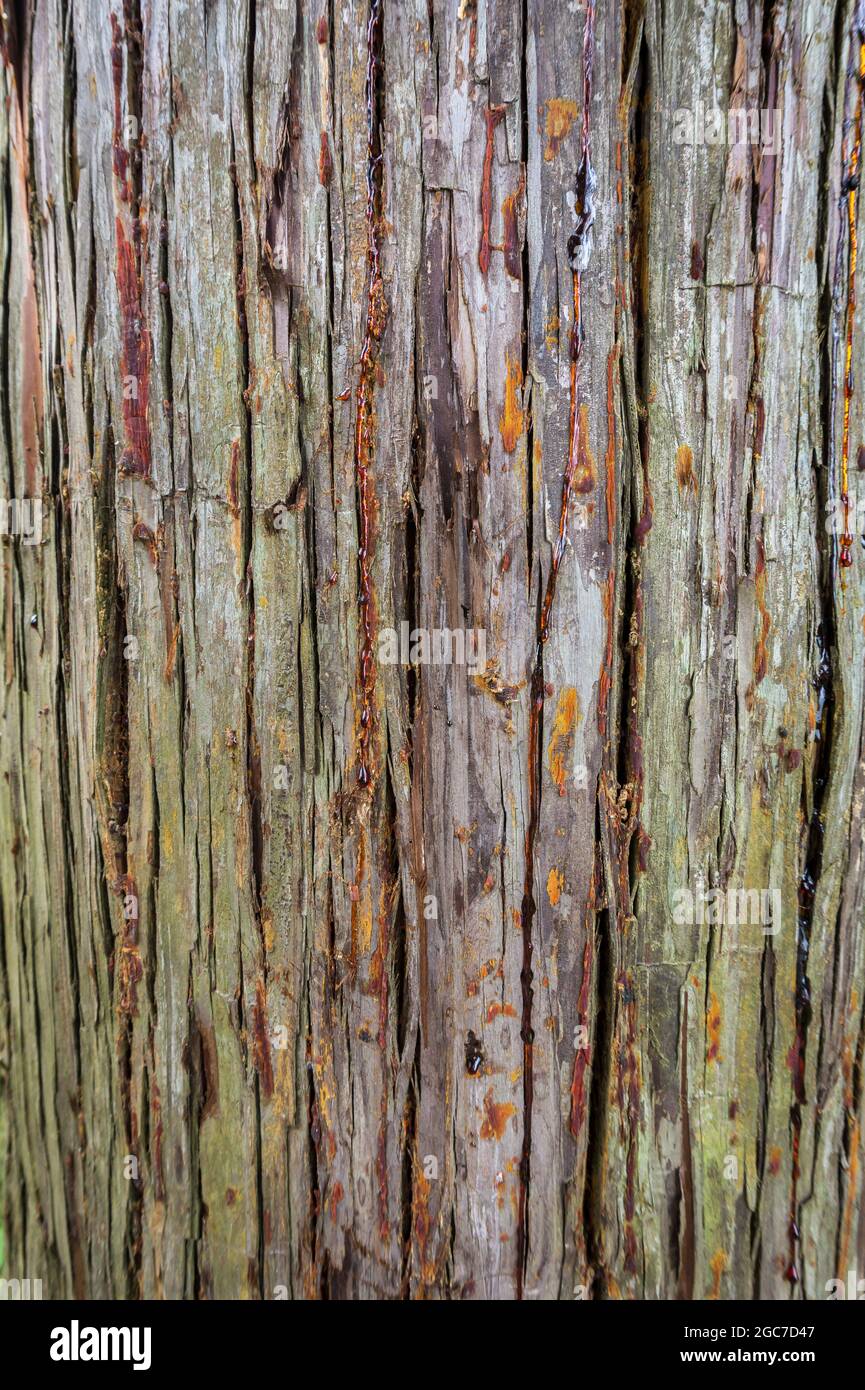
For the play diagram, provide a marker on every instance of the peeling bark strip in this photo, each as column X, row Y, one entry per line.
column 332, row 978
column 850, row 190
column 578, row 478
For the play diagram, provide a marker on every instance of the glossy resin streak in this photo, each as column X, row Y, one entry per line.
column 364, row 439
column 577, row 479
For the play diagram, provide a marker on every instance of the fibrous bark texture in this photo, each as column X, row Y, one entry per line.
column 433, row 781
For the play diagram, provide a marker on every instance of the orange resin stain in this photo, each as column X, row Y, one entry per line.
column 565, row 721
column 774, row 1159
column 561, row 115
column 585, row 475
column 512, row 420
column 685, row 469
column 555, row 884
column 511, row 236
column 713, row 1028
column 490, row 967
column 421, row 1224
column 500, row 1011
column 496, row 1116
column 760, row 654
column 718, row 1266
column 261, row 1041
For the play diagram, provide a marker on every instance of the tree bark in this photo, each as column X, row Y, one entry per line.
column 328, row 974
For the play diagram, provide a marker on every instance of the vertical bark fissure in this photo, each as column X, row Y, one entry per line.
column 622, row 801
column 364, row 443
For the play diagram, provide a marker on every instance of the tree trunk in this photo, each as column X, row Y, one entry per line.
column 440, row 411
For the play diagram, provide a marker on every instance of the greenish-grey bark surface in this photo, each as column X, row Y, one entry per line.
column 325, row 972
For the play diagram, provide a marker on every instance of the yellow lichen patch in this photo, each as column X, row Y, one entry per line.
column 685, row 469
column 680, row 853
column 267, row 930
column 555, row 884
column 718, row 1265
column 512, row 418
column 283, row 1084
column 565, row 721
column 561, row 115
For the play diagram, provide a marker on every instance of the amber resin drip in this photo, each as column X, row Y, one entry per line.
column 492, row 116
column 851, row 164
column 578, row 478
column 364, row 438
